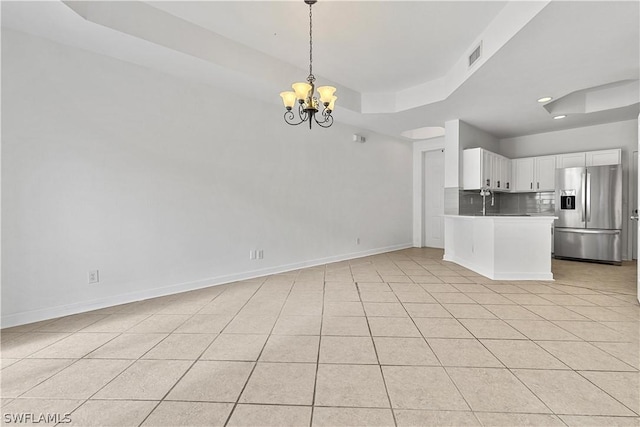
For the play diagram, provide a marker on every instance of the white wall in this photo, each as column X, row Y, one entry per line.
column 165, row 185
column 598, row 137
column 472, row 137
column 622, row 135
column 452, row 154
column 459, row 136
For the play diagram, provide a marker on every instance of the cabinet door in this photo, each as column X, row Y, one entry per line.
column 497, row 167
column 500, row 172
column 507, row 175
column 495, row 172
column 545, row 173
column 472, row 177
column 570, row 160
column 604, row 157
column 524, row 171
column 487, row 169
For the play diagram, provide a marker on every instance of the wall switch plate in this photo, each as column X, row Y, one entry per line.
column 252, row 254
column 260, row 254
column 93, row 276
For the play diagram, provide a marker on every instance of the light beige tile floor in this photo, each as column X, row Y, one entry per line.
column 401, row 339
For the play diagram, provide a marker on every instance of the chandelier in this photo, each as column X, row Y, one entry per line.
column 304, row 93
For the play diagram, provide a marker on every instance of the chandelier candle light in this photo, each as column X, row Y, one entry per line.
column 308, row 104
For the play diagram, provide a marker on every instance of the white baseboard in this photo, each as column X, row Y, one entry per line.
column 31, row 316
column 498, row 276
column 524, row 276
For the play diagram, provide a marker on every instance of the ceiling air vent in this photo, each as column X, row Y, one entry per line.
column 475, row 55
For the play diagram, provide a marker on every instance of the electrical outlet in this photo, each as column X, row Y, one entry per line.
column 260, row 254
column 93, row 276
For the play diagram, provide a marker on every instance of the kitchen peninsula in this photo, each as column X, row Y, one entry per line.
column 504, row 247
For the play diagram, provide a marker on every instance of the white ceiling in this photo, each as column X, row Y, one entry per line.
column 367, row 46
column 398, row 65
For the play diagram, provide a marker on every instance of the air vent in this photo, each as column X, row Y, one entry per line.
column 475, row 55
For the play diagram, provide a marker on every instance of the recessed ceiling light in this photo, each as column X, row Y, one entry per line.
column 561, row 116
column 545, row 99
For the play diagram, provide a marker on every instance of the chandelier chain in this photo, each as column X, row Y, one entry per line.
column 311, row 76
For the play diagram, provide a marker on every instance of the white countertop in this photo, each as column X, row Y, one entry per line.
column 501, row 217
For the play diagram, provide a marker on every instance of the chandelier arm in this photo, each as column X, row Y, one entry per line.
column 302, row 113
column 289, row 118
column 327, row 122
column 326, row 113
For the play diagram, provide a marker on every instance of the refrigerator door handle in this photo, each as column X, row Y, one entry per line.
column 588, row 197
column 583, row 199
column 585, row 231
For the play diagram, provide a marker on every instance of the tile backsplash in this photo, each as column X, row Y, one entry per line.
column 470, row 203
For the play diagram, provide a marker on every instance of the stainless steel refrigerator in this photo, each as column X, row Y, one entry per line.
column 589, row 211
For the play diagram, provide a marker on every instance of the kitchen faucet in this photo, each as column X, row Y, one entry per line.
column 484, row 192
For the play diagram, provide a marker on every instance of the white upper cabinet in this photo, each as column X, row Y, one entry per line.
column 589, row 158
column 535, row 173
column 472, row 169
column 570, row 160
column 502, row 170
column 482, row 169
column 545, row 173
column 487, row 169
column 523, row 174
column 603, row 157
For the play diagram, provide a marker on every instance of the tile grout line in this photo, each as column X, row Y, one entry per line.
column 375, row 349
column 255, row 363
column 193, row 363
column 607, row 393
column 84, row 357
column 440, row 361
column 315, row 380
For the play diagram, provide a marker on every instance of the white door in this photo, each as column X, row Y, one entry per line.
column 433, row 199
column 634, row 204
column 638, row 222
